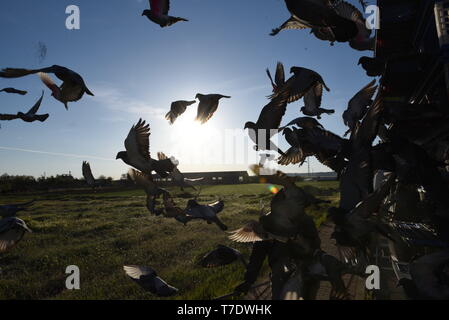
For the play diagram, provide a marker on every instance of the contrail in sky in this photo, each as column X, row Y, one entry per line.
column 57, row 154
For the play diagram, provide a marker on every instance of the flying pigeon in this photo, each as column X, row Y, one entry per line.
column 207, row 106
column 151, row 189
column 268, row 123
column 12, row 230
column 72, row 88
column 177, row 176
column 12, row 90
column 172, row 210
column 312, row 102
column 302, row 81
column 87, row 174
column 10, row 210
column 176, row 109
column 148, row 279
column 159, row 13
column 221, row 256
column 137, row 154
column 30, row 116
column 304, row 122
column 316, row 14
column 374, row 67
column 207, row 212
column 358, row 105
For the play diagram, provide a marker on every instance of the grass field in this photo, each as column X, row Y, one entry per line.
column 101, row 232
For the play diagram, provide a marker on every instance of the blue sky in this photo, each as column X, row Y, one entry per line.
column 136, row 69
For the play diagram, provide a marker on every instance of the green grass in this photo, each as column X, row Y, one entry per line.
column 101, row 232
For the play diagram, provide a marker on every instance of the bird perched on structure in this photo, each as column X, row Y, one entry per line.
column 12, row 230
column 177, row 108
column 148, row 279
column 207, row 106
column 30, row 116
column 358, row 105
column 208, row 212
column 221, row 256
column 159, row 13
column 318, row 14
column 72, row 88
column 10, row 210
column 137, row 154
column 13, row 90
column 87, row 174
column 177, row 176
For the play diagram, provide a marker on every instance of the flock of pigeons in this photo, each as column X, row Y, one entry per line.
column 357, row 161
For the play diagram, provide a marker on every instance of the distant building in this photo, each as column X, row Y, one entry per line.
column 210, row 178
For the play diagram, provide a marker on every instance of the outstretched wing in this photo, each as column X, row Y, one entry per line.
column 364, row 97
column 141, row 179
column 36, row 106
column 271, row 115
column 277, row 177
column 290, row 24
column 160, row 7
column 251, row 232
column 137, row 142
column 49, row 83
column 7, row 117
column 87, row 173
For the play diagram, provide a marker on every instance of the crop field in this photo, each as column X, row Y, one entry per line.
column 102, row 231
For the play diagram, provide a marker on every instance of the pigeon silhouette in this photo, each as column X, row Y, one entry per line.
column 159, row 13
column 148, row 279
column 207, row 106
column 177, row 108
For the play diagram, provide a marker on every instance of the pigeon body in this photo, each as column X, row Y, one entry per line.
column 151, row 189
column 221, row 256
column 12, row 230
column 207, row 106
column 208, row 212
column 159, row 13
column 177, row 108
column 13, row 90
column 148, row 279
column 73, row 86
column 318, row 13
column 358, row 105
column 137, row 154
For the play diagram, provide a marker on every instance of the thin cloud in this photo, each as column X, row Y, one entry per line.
column 70, row 155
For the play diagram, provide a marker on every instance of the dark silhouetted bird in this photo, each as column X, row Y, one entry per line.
column 148, row 279
column 12, row 90
column 268, row 123
column 159, row 13
column 12, row 230
column 358, row 105
column 72, row 88
column 177, row 176
column 137, row 154
column 152, row 190
column 176, row 109
column 320, row 13
column 221, row 256
column 30, row 116
column 374, row 67
column 87, row 174
column 430, row 277
column 312, row 102
column 10, row 210
column 207, row 106
column 207, row 212
column 305, row 122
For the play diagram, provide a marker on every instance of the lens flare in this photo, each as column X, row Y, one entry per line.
column 273, row 189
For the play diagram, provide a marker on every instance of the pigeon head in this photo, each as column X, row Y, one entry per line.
column 198, row 96
column 121, row 155
column 295, row 70
column 303, row 109
column 250, row 125
column 146, row 12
